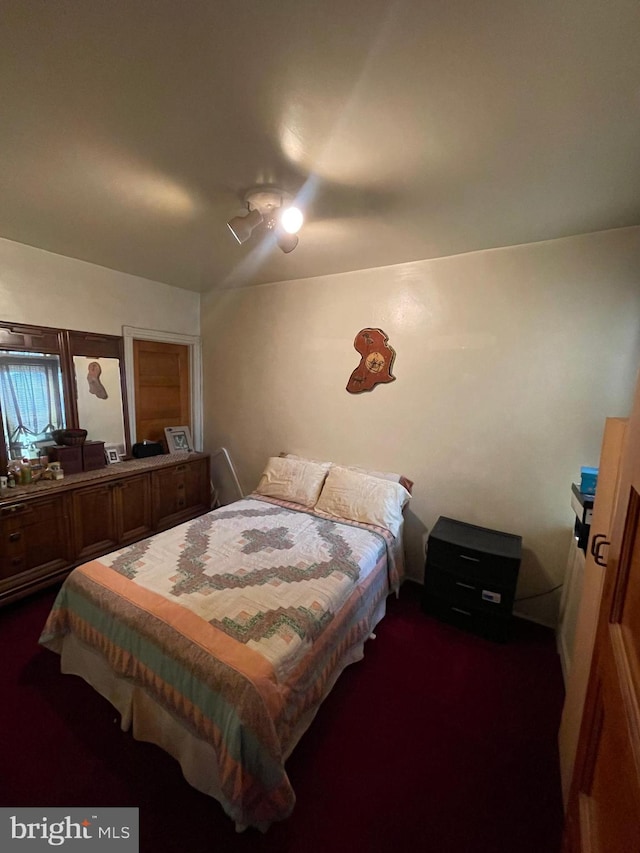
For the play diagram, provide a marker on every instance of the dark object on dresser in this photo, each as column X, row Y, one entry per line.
column 74, row 459
column 69, row 457
column 69, row 437
column 470, row 576
column 144, row 449
column 93, row 456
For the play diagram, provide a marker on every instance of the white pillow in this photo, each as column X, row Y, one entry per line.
column 360, row 497
column 384, row 475
column 293, row 480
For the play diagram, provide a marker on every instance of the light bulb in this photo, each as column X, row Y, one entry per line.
column 291, row 220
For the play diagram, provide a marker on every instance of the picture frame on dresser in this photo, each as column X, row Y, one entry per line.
column 178, row 439
column 111, row 454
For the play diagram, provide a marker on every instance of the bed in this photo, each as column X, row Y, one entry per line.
column 219, row 639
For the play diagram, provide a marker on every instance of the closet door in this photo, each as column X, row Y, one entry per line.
column 604, row 801
column 162, row 383
column 588, row 605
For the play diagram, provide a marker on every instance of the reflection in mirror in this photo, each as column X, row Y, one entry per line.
column 31, row 399
column 99, row 399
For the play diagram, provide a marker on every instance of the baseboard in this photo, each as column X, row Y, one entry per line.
column 530, row 618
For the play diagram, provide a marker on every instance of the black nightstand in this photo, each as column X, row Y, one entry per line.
column 470, row 576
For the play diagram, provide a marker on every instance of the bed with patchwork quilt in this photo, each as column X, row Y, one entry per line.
column 219, row 639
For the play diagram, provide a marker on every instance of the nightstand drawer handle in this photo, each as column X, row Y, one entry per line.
column 472, row 559
column 14, row 537
column 460, row 610
column 465, row 585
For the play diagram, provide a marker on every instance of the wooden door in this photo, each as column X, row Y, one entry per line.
column 604, row 802
column 613, row 442
column 162, row 383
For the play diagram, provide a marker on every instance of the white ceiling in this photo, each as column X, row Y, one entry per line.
column 130, row 129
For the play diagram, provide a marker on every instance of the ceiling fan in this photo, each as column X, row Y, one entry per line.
column 271, row 207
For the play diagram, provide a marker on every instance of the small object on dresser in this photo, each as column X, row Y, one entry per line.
column 70, row 458
column 144, row 449
column 93, row 455
column 470, row 577
column 69, row 437
column 25, row 472
column 111, row 454
column 3, row 482
column 54, row 471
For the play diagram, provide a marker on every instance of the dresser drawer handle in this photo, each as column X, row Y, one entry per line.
column 471, row 559
column 9, row 510
column 16, row 561
column 180, row 469
column 14, row 537
column 460, row 610
column 465, row 585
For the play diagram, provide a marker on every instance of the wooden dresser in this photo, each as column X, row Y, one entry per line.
column 48, row 528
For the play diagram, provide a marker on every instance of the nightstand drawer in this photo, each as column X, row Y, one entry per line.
column 475, row 553
column 468, row 592
column 470, row 564
column 492, row 627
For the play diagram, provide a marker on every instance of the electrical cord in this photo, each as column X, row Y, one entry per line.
column 539, row 594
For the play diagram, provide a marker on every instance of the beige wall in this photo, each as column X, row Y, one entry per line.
column 51, row 290
column 508, row 362
column 47, row 289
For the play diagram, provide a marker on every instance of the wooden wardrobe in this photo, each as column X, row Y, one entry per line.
column 584, row 581
column 603, row 802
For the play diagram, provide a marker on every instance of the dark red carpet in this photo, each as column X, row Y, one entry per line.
column 437, row 741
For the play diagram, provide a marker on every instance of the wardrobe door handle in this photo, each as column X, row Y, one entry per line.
column 596, row 552
column 594, row 542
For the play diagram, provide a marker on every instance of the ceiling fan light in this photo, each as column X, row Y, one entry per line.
column 242, row 226
column 291, row 219
column 287, row 242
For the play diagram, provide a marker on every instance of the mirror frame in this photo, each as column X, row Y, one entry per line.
column 65, row 343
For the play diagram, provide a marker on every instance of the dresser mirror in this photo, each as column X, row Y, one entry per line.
column 58, row 378
column 99, row 399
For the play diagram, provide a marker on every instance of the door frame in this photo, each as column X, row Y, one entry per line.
column 131, row 333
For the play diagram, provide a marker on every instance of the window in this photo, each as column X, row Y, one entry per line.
column 31, row 398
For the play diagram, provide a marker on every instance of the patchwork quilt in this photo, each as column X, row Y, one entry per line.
column 236, row 623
